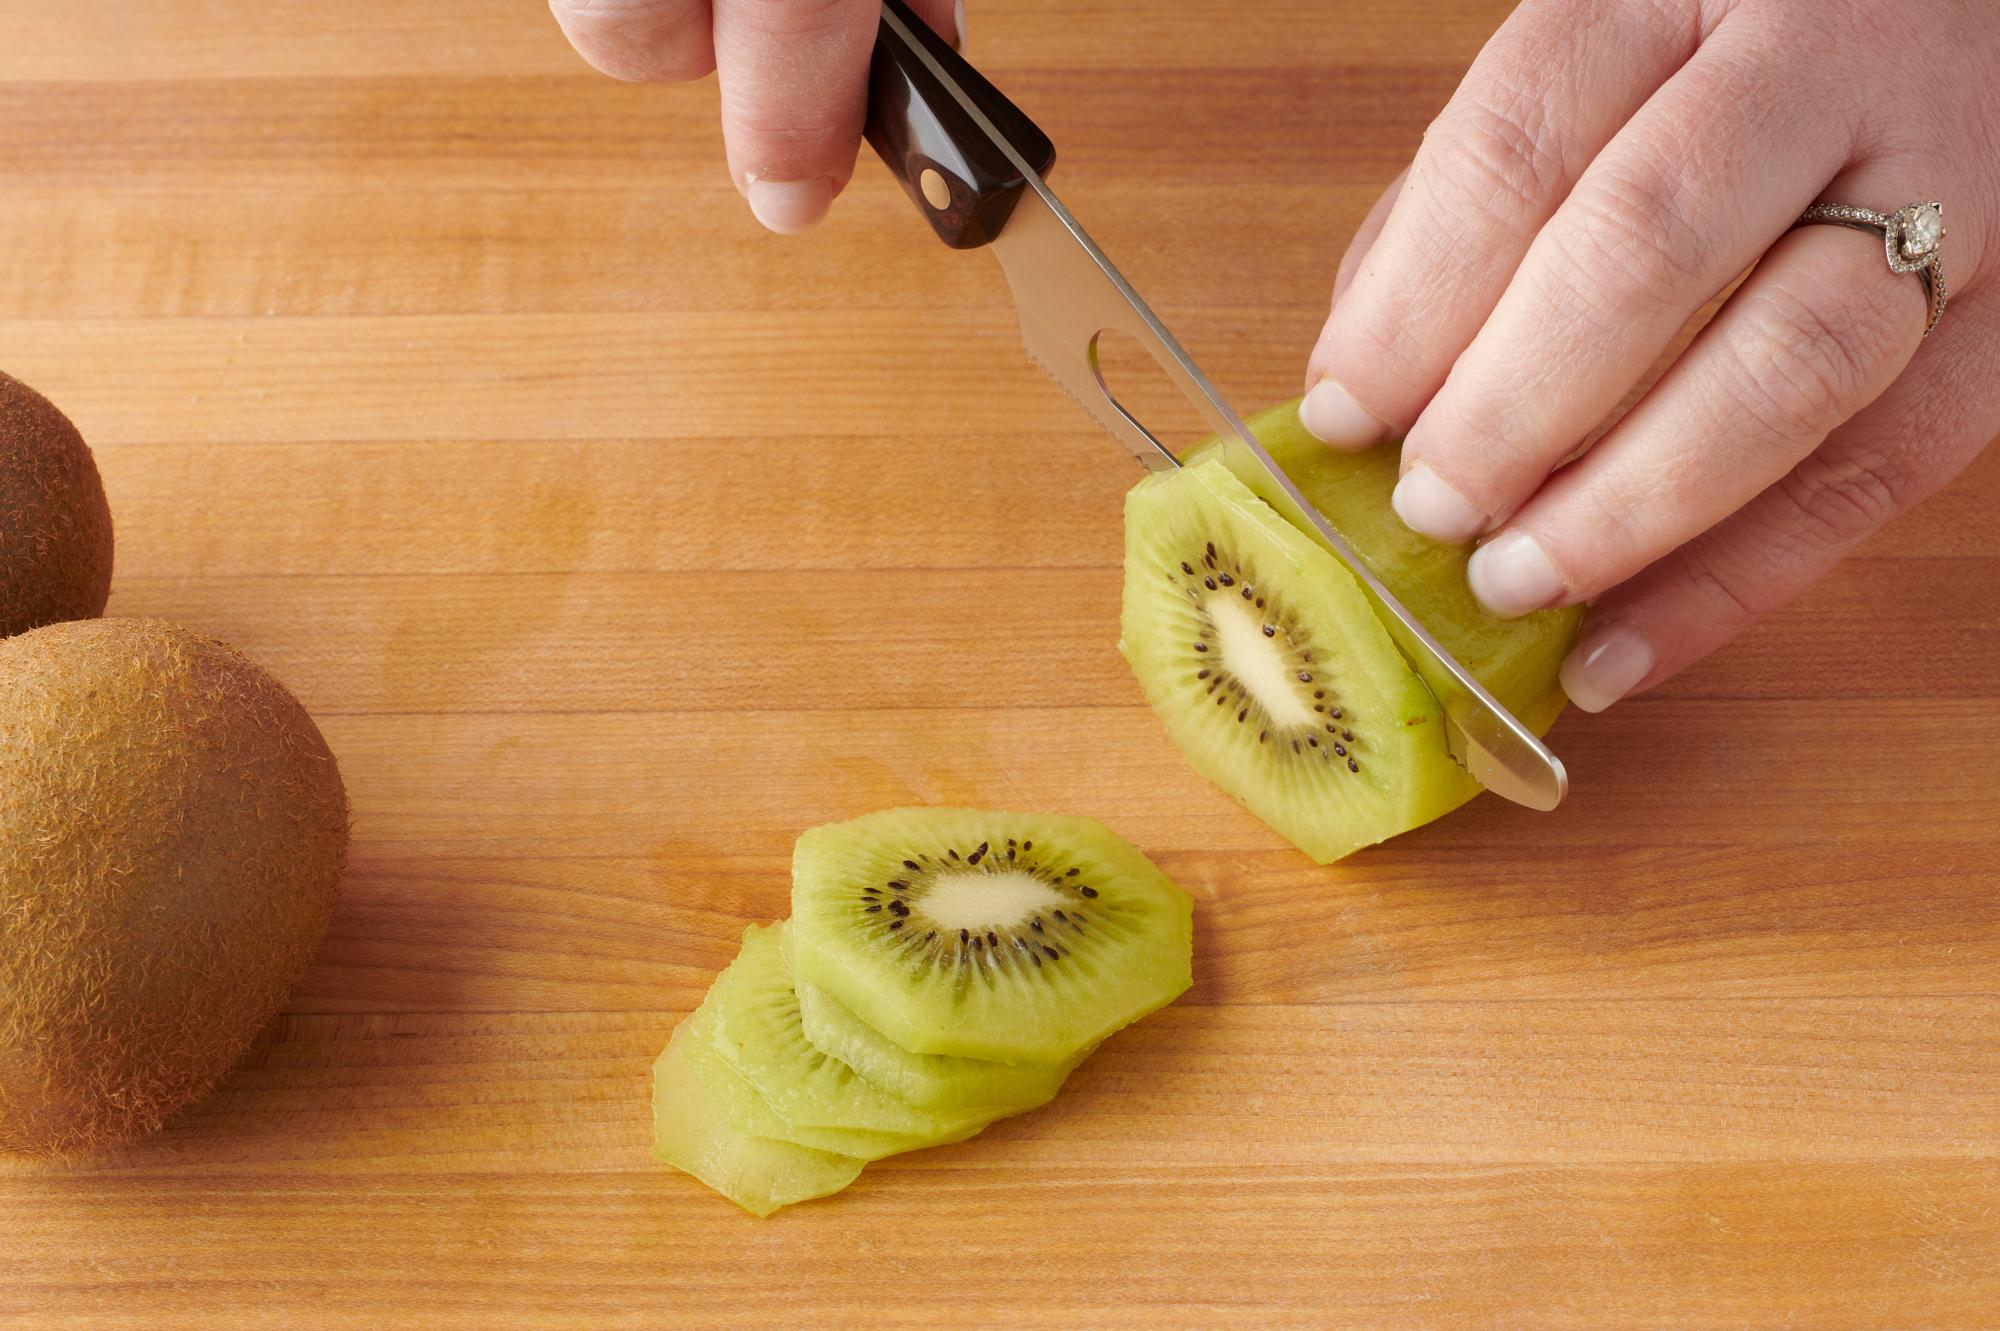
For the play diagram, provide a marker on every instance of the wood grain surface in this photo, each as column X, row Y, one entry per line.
column 613, row 542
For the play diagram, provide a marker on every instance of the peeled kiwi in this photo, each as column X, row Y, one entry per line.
column 1022, row 938
column 1267, row 660
column 172, row 828
column 1517, row 659
column 693, row 1132
column 55, row 526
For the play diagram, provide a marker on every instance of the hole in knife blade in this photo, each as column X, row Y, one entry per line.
column 1143, row 392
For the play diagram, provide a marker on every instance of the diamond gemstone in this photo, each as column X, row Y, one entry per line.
column 1923, row 231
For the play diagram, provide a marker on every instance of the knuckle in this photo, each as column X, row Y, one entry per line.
column 1727, row 597
column 795, row 18
column 1495, row 164
column 1840, row 500
column 1628, row 242
column 1794, row 371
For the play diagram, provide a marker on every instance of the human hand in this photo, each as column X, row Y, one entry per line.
column 1603, row 172
column 793, row 76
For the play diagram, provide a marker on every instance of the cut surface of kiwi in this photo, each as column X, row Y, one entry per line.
column 1272, row 673
column 822, row 1101
column 692, row 1133
column 1021, row 938
column 1517, row 659
column 934, row 1080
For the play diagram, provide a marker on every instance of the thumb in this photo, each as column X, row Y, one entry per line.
column 794, row 79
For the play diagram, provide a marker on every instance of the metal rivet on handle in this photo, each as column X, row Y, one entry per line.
column 936, row 193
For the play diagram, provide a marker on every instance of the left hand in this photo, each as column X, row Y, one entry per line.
column 1606, row 169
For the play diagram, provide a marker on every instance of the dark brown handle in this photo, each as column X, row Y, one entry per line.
column 957, row 176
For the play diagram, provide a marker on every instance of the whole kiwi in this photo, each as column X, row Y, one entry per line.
column 55, row 526
column 172, row 830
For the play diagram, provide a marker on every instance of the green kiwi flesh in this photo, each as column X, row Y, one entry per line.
column 55, row 526
column 692, row 1133
column 1517, row 659
column 1270, row 670
column 1020, row 938
column 937, row 1081
column 822, row 1101
column 172, row 831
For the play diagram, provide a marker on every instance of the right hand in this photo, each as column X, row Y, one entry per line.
column 793, row 75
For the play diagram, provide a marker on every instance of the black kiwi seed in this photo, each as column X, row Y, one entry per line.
column 1053, row 954
column 1347, row 735
column 1227, row 581
column 1208, row 583
column 1211, row 549
column 1305, row 677
column 1243, row 713
column 1263, row 735
column 992, row 941
column 1201, row 646
column 898, row 908
column 1319, row 693
column 1270, row 632
column 1260, row 603
column 1071, row 873
column 1036, row 924
column 1313, row 740
column 911, row 865
column 1201, row 673
column 1335, row 713
column 899, row 885
column 1340, row 749
column 1187, row 568
column 896, row 924
column 1059, row 915
column 1353, row 766
column 963, row 935
column 874, row 908
column 1088, row 891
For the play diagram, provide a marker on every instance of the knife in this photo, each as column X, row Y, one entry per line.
column 975, row 166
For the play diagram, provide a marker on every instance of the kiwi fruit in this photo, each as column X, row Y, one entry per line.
column 936, row 1081
column 1021, row 938
column 1518, row 660
column 1268, row 662
column 693, row 1134
column 758, row 1033
column 55, row 526
column 172, row 830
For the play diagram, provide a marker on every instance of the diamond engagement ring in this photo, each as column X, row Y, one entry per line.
column 1910, row 237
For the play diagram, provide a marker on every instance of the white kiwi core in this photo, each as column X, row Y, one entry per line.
column 1257, row 661
column 973, row 899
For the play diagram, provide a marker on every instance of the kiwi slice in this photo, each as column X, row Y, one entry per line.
column 822, row 1101
column 1266, row 662
column 934, row 1080
column 1021, row 938
column 1518, row 659
column 692, row 1133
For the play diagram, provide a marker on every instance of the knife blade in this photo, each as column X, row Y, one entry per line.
column 976, row 167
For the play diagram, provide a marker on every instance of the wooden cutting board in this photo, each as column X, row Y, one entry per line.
column 613, row 542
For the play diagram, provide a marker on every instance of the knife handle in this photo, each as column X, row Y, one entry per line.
column 956, row 175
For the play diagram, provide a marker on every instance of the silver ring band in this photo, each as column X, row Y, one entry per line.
column 1911, row 237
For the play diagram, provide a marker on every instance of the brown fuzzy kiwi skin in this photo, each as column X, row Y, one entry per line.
column 172, row 831
column 55, row 525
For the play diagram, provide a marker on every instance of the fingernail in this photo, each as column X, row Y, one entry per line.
column 958, row 19
column 1605, row 666
column 1332, row 416
column 1511, row 575
column 789, row 206
column 1432, row 508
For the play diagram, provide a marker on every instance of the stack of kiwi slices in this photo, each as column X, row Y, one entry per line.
column 942, row 968
column 1267, row 659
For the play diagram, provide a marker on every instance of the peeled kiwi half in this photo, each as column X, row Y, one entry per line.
column 1267, row 660
column 1022, row 938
